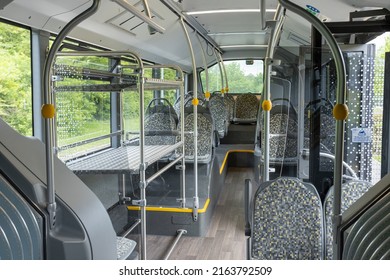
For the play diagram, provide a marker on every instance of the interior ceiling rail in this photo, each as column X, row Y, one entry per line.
column 191, row 24
column 153, row 27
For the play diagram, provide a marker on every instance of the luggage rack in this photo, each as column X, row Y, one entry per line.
column 126, row 159
column 120, row 160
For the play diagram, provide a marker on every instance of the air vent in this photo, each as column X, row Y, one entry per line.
column 130, row 23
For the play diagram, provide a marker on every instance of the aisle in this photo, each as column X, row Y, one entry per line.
column 225, row 239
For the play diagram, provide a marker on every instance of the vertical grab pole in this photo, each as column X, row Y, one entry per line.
column 183, row 160
column 226, row 89
column 207, row 93
column 48, row 109
column 340, row 113
column 143, row 166
column 266, row 104
column 220, row 70
column 263, row 11
column 195, row 103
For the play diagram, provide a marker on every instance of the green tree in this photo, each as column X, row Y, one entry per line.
column 239, row 81
column 379, row 66
column 385, row 48
column 15, row 78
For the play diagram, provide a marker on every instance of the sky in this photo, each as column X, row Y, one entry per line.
column 380, row 40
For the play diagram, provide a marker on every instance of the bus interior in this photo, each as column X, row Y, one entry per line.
column 177, row 129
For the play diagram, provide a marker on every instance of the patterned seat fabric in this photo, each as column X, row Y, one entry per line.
column 246, row 108
column 230, row 103
column 283, row 139
column 187, row 103
column 160, row 122
column 287, row 221
column 219, row 112
column 176, row 105
column 328, row 126
column 350, row 193
column 205, row 137
column 283, row 133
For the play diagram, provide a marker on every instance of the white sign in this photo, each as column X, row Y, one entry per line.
column 361, row 135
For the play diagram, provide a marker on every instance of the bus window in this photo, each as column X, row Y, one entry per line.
column 244, row 76
column 15, row 77
column 81, row 115
column 382, row 46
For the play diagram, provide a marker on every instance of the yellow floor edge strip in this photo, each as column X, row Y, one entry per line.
column 170, row 209
column 227, row 155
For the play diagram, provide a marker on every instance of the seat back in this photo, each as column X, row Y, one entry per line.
column 324, row 107
column 160, row 122
column 218, row 111
column 187, row 97
column 283, row 131
column 287, row 221
column 246, row 108
column 176, row 105
column 350, row 192
column 205, row 127
column 230, row 103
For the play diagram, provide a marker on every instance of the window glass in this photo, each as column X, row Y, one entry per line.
column 244, row 76
column 82, row 112
column 15, row 77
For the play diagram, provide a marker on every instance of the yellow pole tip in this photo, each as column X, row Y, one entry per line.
column 267, row 105
column 223, row 91
column 195, row 101
column 48, row 111
column 340, row 112
column 226, row 89
column 207, row 94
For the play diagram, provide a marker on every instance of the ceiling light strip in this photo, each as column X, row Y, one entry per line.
column 242, row 46
column 229, row 11
column 237, row 33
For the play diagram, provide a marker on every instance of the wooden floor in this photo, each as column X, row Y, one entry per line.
column 225, row 239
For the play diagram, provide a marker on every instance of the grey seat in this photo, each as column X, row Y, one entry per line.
column 187, row 97
column 160, row 123
column 125, row 247
column 230, row 103
column 205, row 135
column 328, row 124
column 176, row 105
column 283, row 131
column 351, row 191
column 283, row 139
column 246, row 107
column 287, row 221
column 219, row 113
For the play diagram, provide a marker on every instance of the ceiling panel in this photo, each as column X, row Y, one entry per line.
column 199, row 5
column 239, row 22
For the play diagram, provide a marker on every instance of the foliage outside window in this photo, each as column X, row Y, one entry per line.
column 15, row 78
column 243, row 76
column 81, row 115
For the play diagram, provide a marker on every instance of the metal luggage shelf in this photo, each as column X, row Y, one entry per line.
column 124, row 159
